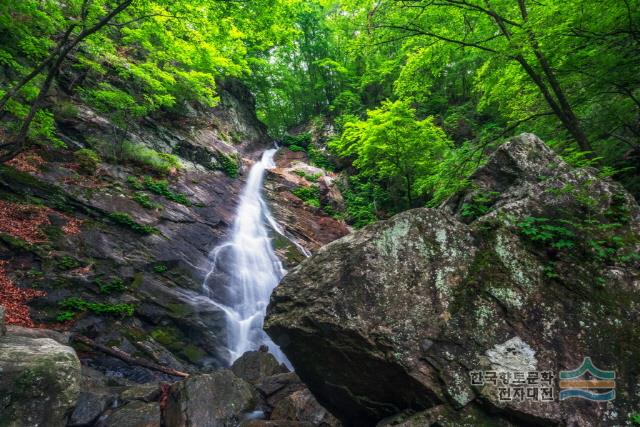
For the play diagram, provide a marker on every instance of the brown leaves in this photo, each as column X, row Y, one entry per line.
column 25, row 221
column 28, row 162
column 15, row 300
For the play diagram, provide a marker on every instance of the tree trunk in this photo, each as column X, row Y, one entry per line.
column 570, row 120
column 20, row 140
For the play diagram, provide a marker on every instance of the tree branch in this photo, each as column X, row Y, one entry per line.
column 132, row 360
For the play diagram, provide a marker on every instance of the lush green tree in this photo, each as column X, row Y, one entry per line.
column 395, row 148
column 157, row 53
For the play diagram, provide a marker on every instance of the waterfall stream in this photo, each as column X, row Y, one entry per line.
column 245, row 269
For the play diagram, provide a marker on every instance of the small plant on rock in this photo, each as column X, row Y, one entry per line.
column 145, row 201
column 309, row 195
column 125, row 220
column 88, row 160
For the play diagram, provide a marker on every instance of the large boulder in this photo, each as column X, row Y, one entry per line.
column 533, row 267
column 253, row 366
column 219, row 399
column 39, row 382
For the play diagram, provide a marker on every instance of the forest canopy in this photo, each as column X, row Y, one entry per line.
column 417, row 93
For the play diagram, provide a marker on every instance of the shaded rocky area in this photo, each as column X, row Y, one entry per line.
column 532, row 268
column 141, row 244
column 108, row 259
column 43, row 383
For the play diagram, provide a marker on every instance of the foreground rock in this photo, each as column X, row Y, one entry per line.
column 39, row 381
column 216, row 400
column 532, row 269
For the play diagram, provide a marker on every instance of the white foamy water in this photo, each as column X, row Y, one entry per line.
column 245, row 269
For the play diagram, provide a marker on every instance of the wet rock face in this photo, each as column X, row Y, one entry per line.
column 39, row 382
column 530, row 269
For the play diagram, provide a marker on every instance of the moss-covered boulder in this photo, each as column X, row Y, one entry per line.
column 39, row 382
column 531, row 269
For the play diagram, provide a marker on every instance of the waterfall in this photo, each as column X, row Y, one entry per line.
column 245, row 269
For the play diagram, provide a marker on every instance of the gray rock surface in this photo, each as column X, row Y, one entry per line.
column 253, row 366
column 212, row 400
column 134, row 414
column 89, row 406
column 3, row 326
column 533, row 266
column 39, row 382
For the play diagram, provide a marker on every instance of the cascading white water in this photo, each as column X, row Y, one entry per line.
column 245, row 269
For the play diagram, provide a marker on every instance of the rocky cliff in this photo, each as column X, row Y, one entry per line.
column 532, row 268
column 115, row 251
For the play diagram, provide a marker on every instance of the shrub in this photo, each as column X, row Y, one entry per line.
column 136, row 183
column 75, row 304
column 88, row 160
column 309, row 195
column 162, row 163
column 296, row 148
column 554, row 233
column 301, row 140
column 125, row 220
column 114, row 285
column 319, row 158
column 228, row 164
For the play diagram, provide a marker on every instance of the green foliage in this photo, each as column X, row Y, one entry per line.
column 160, row 268
column 300, row 141
column 67, row 262
column 161, row 163
column 635, row 418
column 136, row 183
column 309, row 195
column 319, row 158
column 65, row 316
column 78, row 305
column 479, row 205
column 115, row 285
column 173, row 339
column 125, row 220
column 161, row 187
column 154, row 55
column 601, row 241
column 228, row 164
column 157, row 186
column 361, row 198
column 145, row 201
column 395, row 149
column 556, row 234
column 88, row 160
column 296, row 148
column 309, row 177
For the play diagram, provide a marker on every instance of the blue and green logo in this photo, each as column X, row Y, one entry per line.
column 588, row 382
